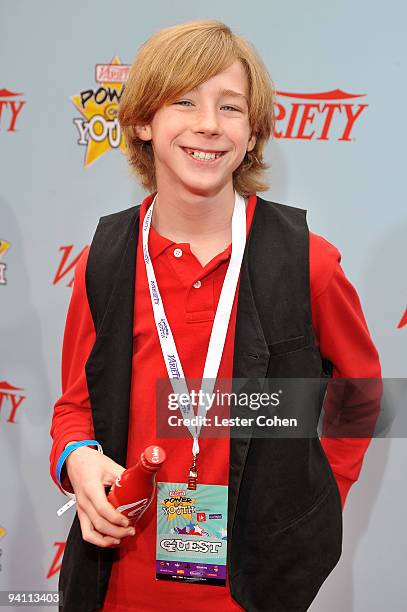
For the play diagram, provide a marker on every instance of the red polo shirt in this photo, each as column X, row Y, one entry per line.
column 190, row 294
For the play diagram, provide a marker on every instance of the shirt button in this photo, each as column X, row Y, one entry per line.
column 197, row 284
column 177, row 252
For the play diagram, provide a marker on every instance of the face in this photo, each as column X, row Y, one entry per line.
column 200, row 139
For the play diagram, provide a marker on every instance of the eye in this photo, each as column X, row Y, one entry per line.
column 232, row 107
column 182, row 102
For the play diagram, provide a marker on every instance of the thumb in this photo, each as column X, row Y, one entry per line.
column 113, row 471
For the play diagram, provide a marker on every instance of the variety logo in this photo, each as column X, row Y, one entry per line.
column 154, row 292
column 10, row 399
column 4, row 247
column 330, row 115
column 177, row 493
column 11, row 106
column 66, row 267
column 403, row 320
column 57, row 560
column 163, row 328
column 172, row 362
column 98, row 128
column 146, row 255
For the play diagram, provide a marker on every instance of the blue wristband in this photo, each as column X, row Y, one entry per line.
column 69, row 450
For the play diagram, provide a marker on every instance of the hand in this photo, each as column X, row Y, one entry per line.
column 89, row 472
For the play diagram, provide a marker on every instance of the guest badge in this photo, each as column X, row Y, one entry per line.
column 191, row 533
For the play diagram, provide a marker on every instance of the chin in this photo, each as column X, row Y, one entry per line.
column 206, row 187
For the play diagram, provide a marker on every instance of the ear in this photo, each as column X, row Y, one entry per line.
column 143, row 132
column 252, row 142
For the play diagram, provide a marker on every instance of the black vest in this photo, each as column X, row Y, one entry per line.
column 281, row 566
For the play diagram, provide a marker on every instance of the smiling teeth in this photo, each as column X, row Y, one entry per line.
column 202, row 155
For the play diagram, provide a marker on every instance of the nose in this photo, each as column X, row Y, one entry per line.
column 207, row 121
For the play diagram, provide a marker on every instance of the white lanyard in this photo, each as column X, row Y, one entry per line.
column 220, row 323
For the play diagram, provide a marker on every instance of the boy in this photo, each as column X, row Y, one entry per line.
column 197, row 112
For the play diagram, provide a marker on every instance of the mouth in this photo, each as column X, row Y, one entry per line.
column 203, row 156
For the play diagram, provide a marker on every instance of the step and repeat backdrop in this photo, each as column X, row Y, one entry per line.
column 339, row 152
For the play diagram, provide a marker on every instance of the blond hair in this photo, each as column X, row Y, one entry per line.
column 178, row 59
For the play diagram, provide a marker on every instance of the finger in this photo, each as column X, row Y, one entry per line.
column 96, row 495
column 113, row 472
column 104, row 527
column 91, row 535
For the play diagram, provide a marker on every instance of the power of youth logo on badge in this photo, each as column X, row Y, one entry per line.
column 98, row 127
column 11, row 106
column 329, row 115
column 4, row 247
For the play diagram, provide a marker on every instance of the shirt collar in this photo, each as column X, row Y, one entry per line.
column 157, row 243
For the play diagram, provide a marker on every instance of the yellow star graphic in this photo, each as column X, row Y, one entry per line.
column 106, row 111
column 4, row 246
column 2, row 532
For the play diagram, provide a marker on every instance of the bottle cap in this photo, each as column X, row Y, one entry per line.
column 153, row 457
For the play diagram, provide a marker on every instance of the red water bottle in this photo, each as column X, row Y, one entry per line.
column 133, row 491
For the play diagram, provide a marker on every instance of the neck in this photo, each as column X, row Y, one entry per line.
column 187, row 217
